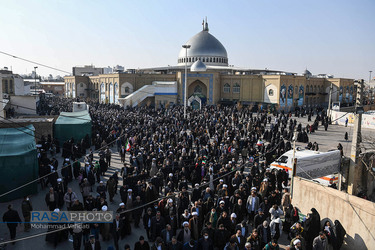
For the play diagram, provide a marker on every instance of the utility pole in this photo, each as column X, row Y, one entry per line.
column 369, row 79
column 35, row 79
column 186, row 47
column 330, row 100
column 355, row 150
column 294, row 161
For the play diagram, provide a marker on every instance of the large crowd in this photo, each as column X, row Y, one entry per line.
column 202, row 182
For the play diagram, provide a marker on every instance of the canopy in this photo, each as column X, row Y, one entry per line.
column 72, row 125
column 18, row 161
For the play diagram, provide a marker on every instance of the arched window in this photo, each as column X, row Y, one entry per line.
column 111, row 99
column 198, row 89
column 236, row 88
column 74, row 90
column 307, row 89
column 102, row 92
column 226, row 88
column 270, row 92
column 127, row 90
column 116, row 93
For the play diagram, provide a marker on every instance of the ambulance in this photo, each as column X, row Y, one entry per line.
column 321, row 167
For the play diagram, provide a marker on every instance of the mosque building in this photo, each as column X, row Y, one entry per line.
column 210, row 80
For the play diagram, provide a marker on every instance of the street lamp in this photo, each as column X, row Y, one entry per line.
column 186, row 47
column 35, row 79
column 369, row 80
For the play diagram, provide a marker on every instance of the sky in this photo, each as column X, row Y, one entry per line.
column 325, row 36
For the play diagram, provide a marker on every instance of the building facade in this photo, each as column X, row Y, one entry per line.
column 213, row 81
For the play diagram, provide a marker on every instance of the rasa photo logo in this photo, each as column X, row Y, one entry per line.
column 71, row 216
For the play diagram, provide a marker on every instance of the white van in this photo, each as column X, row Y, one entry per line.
column 321, row 167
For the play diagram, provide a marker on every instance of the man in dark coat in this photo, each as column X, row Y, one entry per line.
column 147, row 222
column 157, row 224
column 174, row 244
column 221, row 237
column 26, row 212
column 12, row 218
column 51, row 199
column 117, row 227
column 141, row 244
column 205, row 243
column 92, row 244
column 264, row 233
column 239, row 239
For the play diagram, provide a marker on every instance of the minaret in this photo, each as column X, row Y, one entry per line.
column 205, row 25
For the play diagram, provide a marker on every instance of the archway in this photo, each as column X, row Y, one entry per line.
column 198, row 89
column 126, row 89
column 102, row 93
column 110, row 93
column 73, row 90
column 116, row 93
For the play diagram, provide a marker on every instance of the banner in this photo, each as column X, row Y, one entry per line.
column 290, row 96
column 282, row 96
column 300, row 95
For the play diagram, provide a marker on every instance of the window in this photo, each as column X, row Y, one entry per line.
column 270, row 92
column 282, row 159
column 6, row 86
column 236, row 88
column 127, row 90
column 307, row 89
column 81, row 85
column 10, row 86
column 198, row 89
column 226, row 88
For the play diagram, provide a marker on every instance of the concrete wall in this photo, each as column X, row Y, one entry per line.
column 25, row 105
column 355, row 214
column 368, row 121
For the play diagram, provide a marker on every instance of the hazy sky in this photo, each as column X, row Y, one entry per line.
column 334, row 37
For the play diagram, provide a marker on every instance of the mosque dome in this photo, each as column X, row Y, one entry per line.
column 204, row 47
column 198, row 66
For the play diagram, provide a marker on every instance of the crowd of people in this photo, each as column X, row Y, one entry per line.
column 202, row 182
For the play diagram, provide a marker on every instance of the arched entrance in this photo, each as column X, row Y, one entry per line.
column 198, row 89
column 126, row 89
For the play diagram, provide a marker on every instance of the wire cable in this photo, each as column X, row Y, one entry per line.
column 149, row 203
column 128, row 210
column 40, row 64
